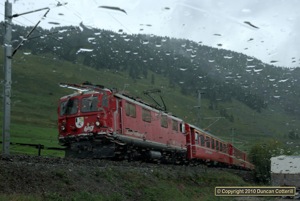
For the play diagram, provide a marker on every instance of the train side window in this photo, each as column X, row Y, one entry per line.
column 146, row 115
column 202, row 141
column 207, row 141
column 221, row 146
column 224, row 148
column 164, row 121
column 217, row 145
column 174, row 125
column 213, row 143
column 182, row 128
column 130, row 109
column 196, row 138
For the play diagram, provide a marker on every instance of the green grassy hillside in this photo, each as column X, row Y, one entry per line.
column 35, row 92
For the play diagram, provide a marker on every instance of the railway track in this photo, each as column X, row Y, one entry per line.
column 45, row 162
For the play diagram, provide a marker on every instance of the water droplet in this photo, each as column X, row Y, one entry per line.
column 257, row 70
column 277, row 97
column 91, row 39
column 84, row 50
column 54, row 23
column 145, row 42
column 183, row 69
column 284, row 80
column 27, row 53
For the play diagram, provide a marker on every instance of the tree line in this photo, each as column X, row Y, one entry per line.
column 221, row 74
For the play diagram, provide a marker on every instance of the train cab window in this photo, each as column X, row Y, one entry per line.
column 164, row 121
column 130, row 109
column 213, row 143
column 69, row 107
column 146, row 115
column 89, row 104
column 217, row 145
column 207, row 142
column 202, row 141
column 174, row 125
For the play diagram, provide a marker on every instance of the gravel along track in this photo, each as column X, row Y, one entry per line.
column 23, row 174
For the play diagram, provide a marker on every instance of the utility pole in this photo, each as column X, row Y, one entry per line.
column 8, row 54
column 7, row 78
column 199, row 108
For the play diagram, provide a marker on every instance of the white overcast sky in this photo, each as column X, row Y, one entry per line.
column 212, row 22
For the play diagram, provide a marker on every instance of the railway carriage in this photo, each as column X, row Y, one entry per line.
column 207, row 148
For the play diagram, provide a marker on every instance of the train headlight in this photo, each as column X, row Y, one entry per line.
column 97, row 123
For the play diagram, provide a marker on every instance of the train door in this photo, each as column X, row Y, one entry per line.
column 190, row 141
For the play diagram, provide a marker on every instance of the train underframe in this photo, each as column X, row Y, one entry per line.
column 118, row 147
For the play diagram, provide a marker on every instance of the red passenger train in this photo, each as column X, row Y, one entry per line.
column 100, row 123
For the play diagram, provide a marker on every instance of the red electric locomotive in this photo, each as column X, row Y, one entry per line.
column 100, row 123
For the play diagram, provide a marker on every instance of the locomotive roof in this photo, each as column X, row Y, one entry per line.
column 144, row 104
column 86, row 88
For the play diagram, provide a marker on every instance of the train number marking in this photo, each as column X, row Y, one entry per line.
column 88, row 128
